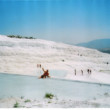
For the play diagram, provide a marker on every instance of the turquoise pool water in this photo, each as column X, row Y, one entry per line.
column 32, row 87
column 55, row 73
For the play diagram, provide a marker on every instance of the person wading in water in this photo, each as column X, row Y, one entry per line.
column 45, row 74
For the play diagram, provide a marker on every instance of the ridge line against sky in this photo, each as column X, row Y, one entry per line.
column 69, row 21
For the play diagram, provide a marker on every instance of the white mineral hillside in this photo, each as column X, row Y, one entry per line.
column 20, row 56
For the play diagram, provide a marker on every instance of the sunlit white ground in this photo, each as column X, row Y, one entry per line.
column 21, row 56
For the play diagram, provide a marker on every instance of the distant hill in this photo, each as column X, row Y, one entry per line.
column 102, row 45
column 96, row 44
column 105, row 50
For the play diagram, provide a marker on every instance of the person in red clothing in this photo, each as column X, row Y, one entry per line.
column 45, row 74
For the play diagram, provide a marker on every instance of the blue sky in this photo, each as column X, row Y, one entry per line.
column 69, row 21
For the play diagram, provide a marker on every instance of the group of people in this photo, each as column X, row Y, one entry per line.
column 45, row 72
column 89, row 71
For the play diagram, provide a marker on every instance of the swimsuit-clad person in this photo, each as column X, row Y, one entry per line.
column 45, row 74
